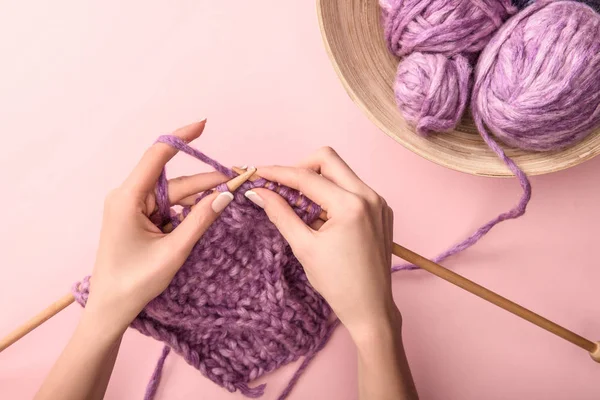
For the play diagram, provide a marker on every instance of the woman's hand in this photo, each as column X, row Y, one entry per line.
column 135, row 260
column 348, row 260
column 134, row 264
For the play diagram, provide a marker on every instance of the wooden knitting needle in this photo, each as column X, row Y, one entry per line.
column 592, row 347
column 255, row 177
column 67, row 299
column 232, row 186
column 36, row 321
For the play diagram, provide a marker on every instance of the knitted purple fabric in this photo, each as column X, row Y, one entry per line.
column 241, row 305
column 537, row 83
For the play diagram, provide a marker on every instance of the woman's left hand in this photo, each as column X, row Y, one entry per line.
column 136, row 260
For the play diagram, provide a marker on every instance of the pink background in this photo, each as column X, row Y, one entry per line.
column 85, row 87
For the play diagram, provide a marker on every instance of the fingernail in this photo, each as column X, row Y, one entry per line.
column 255, row 198
column 222, row 201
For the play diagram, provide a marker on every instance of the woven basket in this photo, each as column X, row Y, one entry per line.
column 353, row 37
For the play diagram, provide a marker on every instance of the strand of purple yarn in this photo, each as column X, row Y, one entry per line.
column 307, row 361
column 515, row 212
column 156, row 375
column 182, row 146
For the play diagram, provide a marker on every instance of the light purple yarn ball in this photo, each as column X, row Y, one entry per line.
column 431, row 91
column 537, row 83
column 448, row 27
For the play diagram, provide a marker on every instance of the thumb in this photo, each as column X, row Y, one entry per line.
column 293, row 229
column 200, row 218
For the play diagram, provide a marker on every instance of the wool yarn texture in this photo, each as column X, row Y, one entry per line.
column 241, row 305
column 438, row 39
column 447, row 27
column 432, row 91
column 537, row 83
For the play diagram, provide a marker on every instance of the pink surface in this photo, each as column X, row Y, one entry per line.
column 85, row 87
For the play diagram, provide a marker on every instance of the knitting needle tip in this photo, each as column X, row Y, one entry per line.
column 241, row 171
column 236, row 182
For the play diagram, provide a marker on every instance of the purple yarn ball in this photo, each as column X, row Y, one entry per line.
column 537, row 83
column 431, row 91
column 448, row 27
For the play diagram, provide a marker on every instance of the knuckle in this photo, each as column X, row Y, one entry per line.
column 302, row 246
column 304, row 173
column 307, row 171
column 327, row 152
column 111, row 198
column 384, row 203
column 119, row 199
column 374, row 199
column 356, row 206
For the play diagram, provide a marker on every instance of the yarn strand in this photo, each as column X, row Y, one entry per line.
column 517, row 211
column 157, row 374
column 307, row 361
column 181, row 145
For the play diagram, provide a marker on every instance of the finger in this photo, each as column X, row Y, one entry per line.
column 318, row 188
column 328, row 163
column 293, row 229
column 183, row 190
column 145, row 174
column 202, row 215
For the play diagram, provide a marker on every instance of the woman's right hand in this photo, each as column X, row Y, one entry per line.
column 348, row 258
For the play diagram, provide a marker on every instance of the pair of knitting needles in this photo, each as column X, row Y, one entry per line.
column 593, row 348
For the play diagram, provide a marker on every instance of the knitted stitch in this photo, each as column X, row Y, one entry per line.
column 241, row 305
